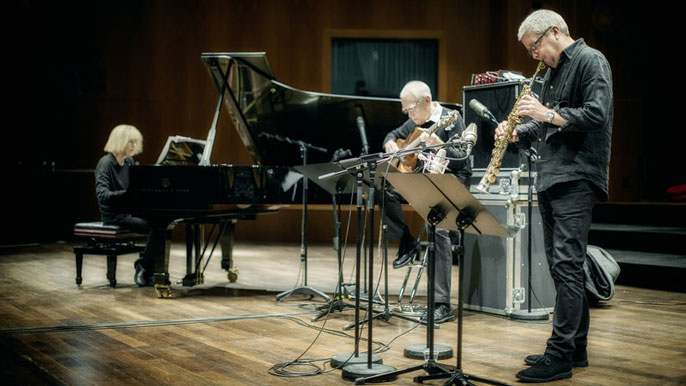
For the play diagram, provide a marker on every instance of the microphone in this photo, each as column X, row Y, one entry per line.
column 469, row 135
column 363, row 134
column 482, row 110
column 435, row 163
column 341, row 154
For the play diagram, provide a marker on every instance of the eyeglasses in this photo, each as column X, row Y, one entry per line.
column 535, row 44
column 410, row 109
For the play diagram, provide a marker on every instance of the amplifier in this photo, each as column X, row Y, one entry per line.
column 499, row 98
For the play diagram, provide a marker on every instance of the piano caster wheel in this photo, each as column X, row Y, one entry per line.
column 163, row 291
column 232, row 273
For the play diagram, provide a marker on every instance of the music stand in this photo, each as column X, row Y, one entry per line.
column 342, row 184
column 444, row 203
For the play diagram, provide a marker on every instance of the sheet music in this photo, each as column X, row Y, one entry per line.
column 181, row 150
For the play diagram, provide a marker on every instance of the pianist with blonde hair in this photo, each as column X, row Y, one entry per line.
column 111, row 182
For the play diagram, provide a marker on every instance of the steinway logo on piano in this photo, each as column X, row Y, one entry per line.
column 166, row 190
column 165, row 186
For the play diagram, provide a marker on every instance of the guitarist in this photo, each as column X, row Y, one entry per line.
column 422, row 112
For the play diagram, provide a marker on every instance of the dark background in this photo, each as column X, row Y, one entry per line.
column 74, row 70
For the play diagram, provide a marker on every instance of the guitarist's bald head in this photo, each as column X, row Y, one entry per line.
column 416, row 91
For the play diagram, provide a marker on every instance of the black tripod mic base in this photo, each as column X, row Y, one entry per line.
column 344, row 360
column 417, row 351
column 305, row 290
column 525, row 316
column 358, row 373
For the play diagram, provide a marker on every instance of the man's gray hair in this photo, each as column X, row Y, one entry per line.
column 539, row 21
column 415, row 89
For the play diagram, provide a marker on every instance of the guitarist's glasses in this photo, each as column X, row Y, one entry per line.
column 410, row 108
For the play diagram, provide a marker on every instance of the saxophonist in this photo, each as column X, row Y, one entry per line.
column 571, row 128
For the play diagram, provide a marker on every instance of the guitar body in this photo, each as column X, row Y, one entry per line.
column 408, row 163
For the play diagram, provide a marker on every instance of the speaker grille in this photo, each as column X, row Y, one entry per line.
column 499, row 98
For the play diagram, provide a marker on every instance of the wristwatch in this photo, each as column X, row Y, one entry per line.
column 549, row 116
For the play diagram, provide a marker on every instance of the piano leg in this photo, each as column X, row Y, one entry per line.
column 226, row 241
column 195, row 236
column 161, row 242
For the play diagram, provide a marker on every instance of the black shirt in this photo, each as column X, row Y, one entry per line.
column 580, row 90
column 111, row 181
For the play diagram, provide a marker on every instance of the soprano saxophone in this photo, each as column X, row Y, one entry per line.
column 501, row 143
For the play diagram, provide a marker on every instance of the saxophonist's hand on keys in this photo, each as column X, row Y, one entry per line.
column 500, row 130
column 532, row 107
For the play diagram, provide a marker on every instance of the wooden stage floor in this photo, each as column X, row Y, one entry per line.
column 221, row 333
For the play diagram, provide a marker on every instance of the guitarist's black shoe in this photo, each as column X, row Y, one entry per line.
column 406, row 254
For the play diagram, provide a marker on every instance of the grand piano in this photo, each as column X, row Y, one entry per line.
column 280, row 126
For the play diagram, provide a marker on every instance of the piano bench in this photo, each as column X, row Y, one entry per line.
column 104, row 240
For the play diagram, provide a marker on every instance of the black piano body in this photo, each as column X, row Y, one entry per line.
column 167, row 195
column 277, row 124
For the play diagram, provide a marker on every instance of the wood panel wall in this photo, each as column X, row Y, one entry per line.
column 78, row 69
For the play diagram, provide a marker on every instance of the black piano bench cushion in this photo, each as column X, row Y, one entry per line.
column 100, row 230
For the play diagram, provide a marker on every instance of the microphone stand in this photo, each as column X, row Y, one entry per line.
column 337, row 304
column 528, row 315
column 364, row 152
column 345, row 361
column 355, row 365
column 386, row 314
column 304, row 289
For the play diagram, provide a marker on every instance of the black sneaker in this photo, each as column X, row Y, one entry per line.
column 442, row 313
column 546, row 369
column 578, row 360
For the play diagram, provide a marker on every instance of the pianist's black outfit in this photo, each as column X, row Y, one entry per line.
column 111, row 182
column 397, row 225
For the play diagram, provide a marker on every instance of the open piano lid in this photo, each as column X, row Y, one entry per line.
column 270, row 116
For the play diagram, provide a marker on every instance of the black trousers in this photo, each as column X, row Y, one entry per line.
column 566, row 210
column 153, row 246
column 394, row 218
column 393, row 215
